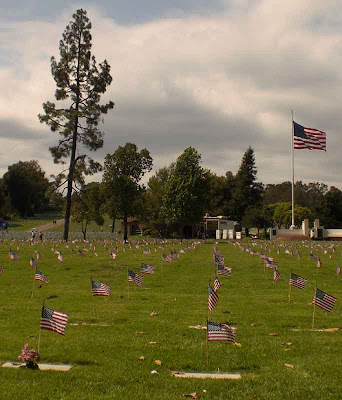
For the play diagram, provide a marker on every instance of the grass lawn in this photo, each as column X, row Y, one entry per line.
column 106, row 358
column 26, row 224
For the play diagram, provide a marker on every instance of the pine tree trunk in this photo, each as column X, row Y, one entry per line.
column 73, row 152
column 113, row 224
column 125, row 229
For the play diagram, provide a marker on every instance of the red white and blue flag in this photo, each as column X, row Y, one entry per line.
column 100, row 289
column 308, row 138
column 53, row 320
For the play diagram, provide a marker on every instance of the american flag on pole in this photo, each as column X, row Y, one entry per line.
column 60, row 256
column 12, row 255
column 166, row 258
column 297, row 281
column 212, row 298
column 276, row 275
column 338, row 269
column 222, row 270
column 217, row 284
column 53, row 320
column 136, row 278
column 218, row 332
column 324, row 300
column 33, row 262
column 100, row 289
column 308, row 138
column 147, row 269
column 38, row 276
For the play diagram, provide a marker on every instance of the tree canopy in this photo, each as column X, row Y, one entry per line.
column 26, row 186
column 185, row 197
column 123, row 171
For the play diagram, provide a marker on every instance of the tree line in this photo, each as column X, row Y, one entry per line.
column 175, row 196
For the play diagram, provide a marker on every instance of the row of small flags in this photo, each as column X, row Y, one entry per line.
column 321, row 299
column 217, row 331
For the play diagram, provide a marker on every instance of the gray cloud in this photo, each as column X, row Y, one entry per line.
column 218, row 79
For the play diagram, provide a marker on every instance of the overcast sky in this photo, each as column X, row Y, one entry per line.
column 218, row 75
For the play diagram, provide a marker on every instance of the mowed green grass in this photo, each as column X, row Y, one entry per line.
column 106, row 358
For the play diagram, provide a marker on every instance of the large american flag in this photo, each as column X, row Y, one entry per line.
column 147, row 269
column 38, row 276
column 218, row 332
column 212, row 298
column 53, row 320
column 307, row 138
column 324, row 300
column 297, row 281
column 100, row 289
column 136, row 278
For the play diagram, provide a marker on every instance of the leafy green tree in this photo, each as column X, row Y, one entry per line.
column 217, row 187
column 185, row 198
column 123, row 171
column 153, row 199
column 80, row 83
column 246, row 191
column 27, row 187
column 86, row 206
column 332, row 209
column 254, row 218
column 300, row 213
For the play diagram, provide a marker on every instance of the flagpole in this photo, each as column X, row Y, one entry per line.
column 292, row 159
column 33, row 282
column 40, row 330
column 207, row 347
column 290, row 288
column 127, row 284
column 314, row 307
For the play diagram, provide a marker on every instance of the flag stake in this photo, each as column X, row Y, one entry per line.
column 290, row 288
column 314, row 307
column 207, row 348
column 40, row 330
column 33, row 282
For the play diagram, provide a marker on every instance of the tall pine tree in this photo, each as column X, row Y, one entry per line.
column 80, row 84
column 246, row 192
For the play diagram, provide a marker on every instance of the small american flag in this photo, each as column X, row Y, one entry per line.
column 276, row 275
column 297, row 281
column 38, row 276
column 136, row 278
column 13, row 255
column 212, row 298
column 1, row 270
column 319, row 264
column 218, row 332
column 338, row 270
column 166, row 258
column 60, row 256
column 313, row 256
column 100, row 289
column 37, row 254
column 33, row 262
column 217, row 284
column 222, row 270
column 53, row 320
column 112, row 256
column 324, row 300
column 147, row 269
